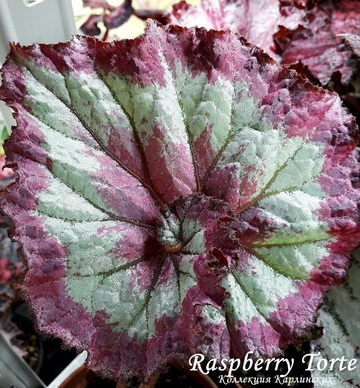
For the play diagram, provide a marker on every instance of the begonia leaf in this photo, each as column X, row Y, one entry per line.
column 97, row 4
column 290, row 31
column 256, row 20
column 112, row 17
column 159, row 15
column 340, row 319
column 316, row 42
column 177, row 193
column 354, row 42
column 119, row 15
column 90, row 26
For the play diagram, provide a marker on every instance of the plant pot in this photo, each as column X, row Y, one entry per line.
column 199, row 378
column 78, row 379
column 14, row 371
column 30, row 340
column 84, row 378
column 43, row 355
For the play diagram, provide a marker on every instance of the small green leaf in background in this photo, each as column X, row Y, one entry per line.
column 4, row 134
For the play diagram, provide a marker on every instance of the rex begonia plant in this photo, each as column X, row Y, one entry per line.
column 179, row 193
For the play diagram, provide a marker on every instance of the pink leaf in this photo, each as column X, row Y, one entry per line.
column 290, row 31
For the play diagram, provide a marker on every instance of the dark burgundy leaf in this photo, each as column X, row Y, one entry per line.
column 119, row 15
column 158, row 15
column 97, row 4
column 90, row 27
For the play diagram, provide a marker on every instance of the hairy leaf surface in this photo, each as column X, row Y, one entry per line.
column 290, row 31
column 354, row 42
column 178, row 193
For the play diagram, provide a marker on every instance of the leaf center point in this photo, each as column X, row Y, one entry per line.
column 172, row 249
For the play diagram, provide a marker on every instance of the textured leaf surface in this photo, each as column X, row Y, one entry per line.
column 316, row 42
column 178, row 193
column 354, row 43
column 340, row 319
column 290, row 31
column 256, row 20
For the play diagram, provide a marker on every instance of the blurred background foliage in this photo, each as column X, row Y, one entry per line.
column 133, row 27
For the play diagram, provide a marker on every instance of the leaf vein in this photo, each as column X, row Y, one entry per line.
column 139, row 144
column 261, row 193
column 186, row 125
column 229, row 138
column 252, row 300
column 95, row 137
